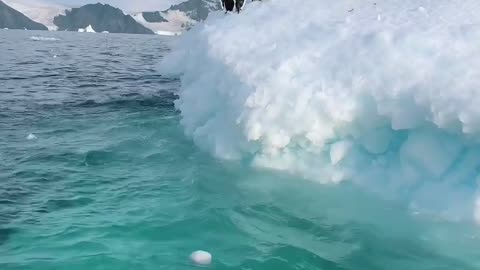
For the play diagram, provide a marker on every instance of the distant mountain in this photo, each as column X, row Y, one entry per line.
column 197, row 10
column 105, row 18
column 178, row 17
column 38, row 11
column 13, row 19
column 101, row 17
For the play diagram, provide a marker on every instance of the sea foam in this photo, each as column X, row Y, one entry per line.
column 39, row 38
column 383, row 94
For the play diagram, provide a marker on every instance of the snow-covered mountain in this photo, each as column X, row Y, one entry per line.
column 10, row 18
column 178, row 17
column 100, row 18
column 38, row 11
column 172, row 21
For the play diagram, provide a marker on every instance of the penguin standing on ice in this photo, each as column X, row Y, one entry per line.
column 239, row 5
column 229, row 5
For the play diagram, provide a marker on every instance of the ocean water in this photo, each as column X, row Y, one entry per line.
column 96, row 173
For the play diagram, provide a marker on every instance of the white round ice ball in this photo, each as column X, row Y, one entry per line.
column 201, row 257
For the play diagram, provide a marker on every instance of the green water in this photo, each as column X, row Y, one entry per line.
column 112, row 183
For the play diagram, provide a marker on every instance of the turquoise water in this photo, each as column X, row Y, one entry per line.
column 111, row 182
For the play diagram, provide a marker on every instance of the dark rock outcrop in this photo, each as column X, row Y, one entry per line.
column 153, row 17
column 102, row 17
column 197, row 9
column 13, row 19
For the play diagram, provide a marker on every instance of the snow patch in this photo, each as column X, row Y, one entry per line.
column 167, row 33
column 177, row 22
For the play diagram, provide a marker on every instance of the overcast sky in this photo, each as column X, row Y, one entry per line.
column 126, row 5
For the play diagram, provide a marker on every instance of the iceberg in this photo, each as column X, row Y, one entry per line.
column 385, row 95
column 89, row 29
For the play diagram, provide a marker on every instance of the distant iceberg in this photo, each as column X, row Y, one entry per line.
column 89, row 29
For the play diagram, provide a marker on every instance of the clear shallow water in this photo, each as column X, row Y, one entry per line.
column 111, row 182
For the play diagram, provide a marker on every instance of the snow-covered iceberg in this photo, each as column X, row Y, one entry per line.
column 89, row 29
column 385, row 94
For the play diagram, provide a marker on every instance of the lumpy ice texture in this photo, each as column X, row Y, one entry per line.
column 384, row 94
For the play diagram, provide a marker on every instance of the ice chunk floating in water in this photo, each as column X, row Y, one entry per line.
column 383, row 94
column 201, row 257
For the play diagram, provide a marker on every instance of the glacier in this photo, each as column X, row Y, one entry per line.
column 385, row 95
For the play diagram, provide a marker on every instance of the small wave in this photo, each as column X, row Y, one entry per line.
column 29, row 63
column 39, row 38
column 166, row 99
column 61, row 204
column 98, row 157
column 5, row 234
